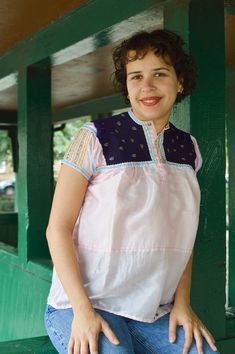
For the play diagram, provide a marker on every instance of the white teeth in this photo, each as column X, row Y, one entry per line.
column 149, row 101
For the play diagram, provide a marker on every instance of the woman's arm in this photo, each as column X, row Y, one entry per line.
column 183, row 315
column 68, row 199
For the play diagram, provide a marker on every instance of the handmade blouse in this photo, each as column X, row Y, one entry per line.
column 137, row 226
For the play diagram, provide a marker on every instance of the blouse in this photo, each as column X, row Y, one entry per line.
column 137, row 226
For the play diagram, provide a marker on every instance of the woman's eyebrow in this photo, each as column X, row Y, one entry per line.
column 156, row 69
column 161, row 68
column 134, row 72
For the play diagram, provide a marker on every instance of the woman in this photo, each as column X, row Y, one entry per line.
column 125, row 215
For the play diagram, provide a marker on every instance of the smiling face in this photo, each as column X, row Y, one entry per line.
column 152, row 87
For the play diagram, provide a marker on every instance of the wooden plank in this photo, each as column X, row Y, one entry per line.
column 176, row 19
column 35, row 160
column 38, row 345
column 76, row 26
column 93, row 107
column 230, row 92
column 23, row 298
column 206, row 43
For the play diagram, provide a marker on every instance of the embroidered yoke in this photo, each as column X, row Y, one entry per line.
column 137, row 227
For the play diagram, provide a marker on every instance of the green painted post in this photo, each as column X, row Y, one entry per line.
column 207, row 119
column 35, row 163
column 230, row 186
column 176, row 19
column 230, row 91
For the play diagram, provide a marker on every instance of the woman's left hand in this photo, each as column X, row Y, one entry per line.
column 183, row 315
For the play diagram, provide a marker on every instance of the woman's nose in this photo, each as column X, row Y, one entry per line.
column 148, row 84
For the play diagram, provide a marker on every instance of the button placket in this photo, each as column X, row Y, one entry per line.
column 156, row 143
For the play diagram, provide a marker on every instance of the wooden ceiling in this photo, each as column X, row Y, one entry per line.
column 75, row 81
column 83, row 78
column 20, row 18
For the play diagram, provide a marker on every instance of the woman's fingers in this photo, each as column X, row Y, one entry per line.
column 86, row 340
column 84, row 347
column 70, row 346
column 208, row 337
column 109, row 333
column 198, row 340
column 172, row 330
column 188, row 329
column 76, row 347
column 93, row 345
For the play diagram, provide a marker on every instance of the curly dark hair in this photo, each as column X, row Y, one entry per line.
column 164, row 43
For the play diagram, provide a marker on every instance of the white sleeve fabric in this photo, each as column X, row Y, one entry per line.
column 198, row 160
column 81, row 151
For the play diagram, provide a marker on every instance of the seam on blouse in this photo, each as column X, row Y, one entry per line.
column 142, row 164
column 175, row 164
column 90, row 128
column 143, row 250
column 162, row 147
column 149, row 143
column 136, row 120
column 80, row 169
column 125, row 164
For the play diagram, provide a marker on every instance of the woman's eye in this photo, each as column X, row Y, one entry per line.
column 136, row 77
column 160, row 74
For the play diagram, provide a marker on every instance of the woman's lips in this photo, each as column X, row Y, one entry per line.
column 150, row 101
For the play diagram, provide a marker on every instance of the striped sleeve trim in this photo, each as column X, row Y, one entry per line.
column 81, row 170
column 77, row 153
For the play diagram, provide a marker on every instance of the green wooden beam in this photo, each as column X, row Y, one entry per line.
column 76, row 26
column 206, row 43
column 176, row 19
column 230, row 92
column 93, row 107
column 34, row 184
column 23, row 298
column 37, row 345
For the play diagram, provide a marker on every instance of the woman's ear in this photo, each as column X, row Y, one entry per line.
column 180, row 88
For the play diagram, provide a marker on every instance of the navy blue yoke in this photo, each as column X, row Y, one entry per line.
column 179, row 147
column 123, row 140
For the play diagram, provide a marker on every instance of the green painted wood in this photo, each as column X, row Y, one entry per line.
column 230, row 326
column 176, row 19
column 10, row 218
column 93, row 107
column 206, row 43
column 38, row 345
column 23, row 299
column 7, row 118
column 226, row 346
column 35, row 185
column 8, row 228
column 81, row 23
column 230, row 108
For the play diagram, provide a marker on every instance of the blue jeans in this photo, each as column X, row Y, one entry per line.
column 135, row 337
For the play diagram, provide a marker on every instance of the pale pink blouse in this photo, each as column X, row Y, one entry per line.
column 137, row 227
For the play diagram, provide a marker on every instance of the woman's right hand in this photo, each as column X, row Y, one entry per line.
column 86, row 327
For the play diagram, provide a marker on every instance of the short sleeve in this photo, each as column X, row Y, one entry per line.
column 79, row 154
column 198, row 160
